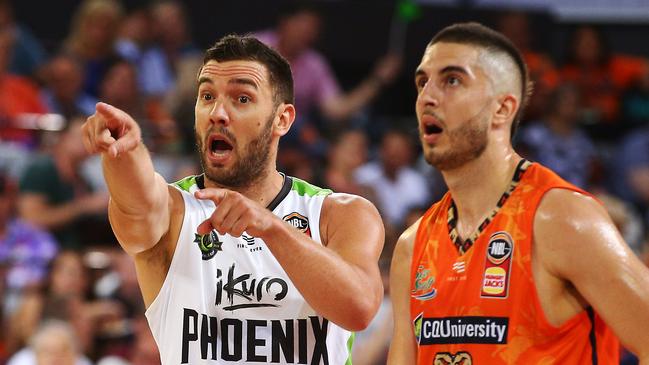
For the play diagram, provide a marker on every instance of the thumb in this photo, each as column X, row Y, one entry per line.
column 205, row 227
column 125, row 143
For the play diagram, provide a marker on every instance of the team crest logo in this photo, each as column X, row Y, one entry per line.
column 298, row 221
column 446, row 358
column 495, row 283
column 209, row 244
column 423, row 286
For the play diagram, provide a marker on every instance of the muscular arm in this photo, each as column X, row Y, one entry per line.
column 35, row 208
column 579, row 244
column 403, row 347
column 141, row 202
column 339, row 279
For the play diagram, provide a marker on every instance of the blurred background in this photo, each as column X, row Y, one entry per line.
column 69, row 294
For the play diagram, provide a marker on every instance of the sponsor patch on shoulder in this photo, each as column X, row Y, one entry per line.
column 495, row 281
column 298, row 221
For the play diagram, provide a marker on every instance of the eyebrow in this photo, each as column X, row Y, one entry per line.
column 445, row 70
column 237, row 81
column 243, row 81
column 204, row 79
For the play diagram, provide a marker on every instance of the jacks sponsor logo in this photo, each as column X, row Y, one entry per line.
column 423, row 286
column 298, row 221
column 209, row 244
column 498, row 264
column 447, row 358
column 461, row 330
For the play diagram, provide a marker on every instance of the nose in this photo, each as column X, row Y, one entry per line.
column 219, row 115
column 429, row 95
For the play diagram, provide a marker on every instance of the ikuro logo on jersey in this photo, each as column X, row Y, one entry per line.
column 498, row 263
column 298, row 221
column 423, row 286
column 209, row 244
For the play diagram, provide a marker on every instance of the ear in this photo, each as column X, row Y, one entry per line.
column 507, row 108
column 286, row 117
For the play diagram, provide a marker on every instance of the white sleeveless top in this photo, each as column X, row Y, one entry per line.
column 226, row 300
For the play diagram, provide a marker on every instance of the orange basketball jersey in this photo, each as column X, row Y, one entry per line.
column 475, row 301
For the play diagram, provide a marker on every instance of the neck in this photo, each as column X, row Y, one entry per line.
column 262, row 191
column 477, row 185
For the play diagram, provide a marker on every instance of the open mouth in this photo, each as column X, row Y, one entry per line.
column 219, row 145
column 432, row 129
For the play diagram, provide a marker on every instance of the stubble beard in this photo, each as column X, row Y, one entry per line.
column 250, row 165
column 467, row 143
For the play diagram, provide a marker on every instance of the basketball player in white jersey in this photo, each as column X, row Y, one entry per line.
column 240, row 264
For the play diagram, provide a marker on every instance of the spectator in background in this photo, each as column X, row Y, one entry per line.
column 395, row 184
column 348, row 152
column 515, row 25
column 64, row 298
column 53, row 194
column 18, row 95
column 63, row 93
column 54, row 343
column 25, row 251
column 557, row 142
column 635, row 104
column 316, row 88
column 28, row 55
column 629, row 172
column 92, row 39
column 601, row 77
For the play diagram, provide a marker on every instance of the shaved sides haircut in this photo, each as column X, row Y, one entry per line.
column 492, row 41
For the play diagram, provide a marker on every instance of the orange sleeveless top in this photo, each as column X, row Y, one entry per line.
column 475, row 301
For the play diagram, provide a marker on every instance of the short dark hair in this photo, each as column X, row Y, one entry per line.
column 237, row 47
column 478, row 35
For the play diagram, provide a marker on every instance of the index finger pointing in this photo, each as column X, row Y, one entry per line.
column 213, row 194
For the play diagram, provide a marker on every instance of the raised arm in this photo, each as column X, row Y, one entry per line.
column 340, row 279
column 139, row 197
column 579, row 244
column 403, row 347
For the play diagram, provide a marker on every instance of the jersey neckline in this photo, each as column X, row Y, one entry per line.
column 452, row 214
column 283, row 192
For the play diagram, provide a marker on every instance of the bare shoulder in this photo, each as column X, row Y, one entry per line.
column 344, row 208
column 405, row 244
column 343, row 201
column 347, row 215
column 569, row 225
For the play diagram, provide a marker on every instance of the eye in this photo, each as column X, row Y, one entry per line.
column 453, row 81
column 243, row 99
column 421, row 83
column 206, row 96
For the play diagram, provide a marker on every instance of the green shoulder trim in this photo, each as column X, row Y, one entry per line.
column 350, row 342
column 186, row 183
column 302, row 187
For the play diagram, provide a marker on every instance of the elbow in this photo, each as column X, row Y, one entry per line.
column 362, row 313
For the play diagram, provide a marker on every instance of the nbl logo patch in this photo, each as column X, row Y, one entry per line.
column 298, row 221
column 209, row 244
column 495, row 282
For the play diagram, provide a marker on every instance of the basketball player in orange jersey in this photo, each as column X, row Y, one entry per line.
column 513, row 265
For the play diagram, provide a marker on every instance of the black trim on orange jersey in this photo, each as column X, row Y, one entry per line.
column 592, row 336
column 464, row 246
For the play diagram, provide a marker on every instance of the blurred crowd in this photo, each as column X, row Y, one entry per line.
column 70, row 295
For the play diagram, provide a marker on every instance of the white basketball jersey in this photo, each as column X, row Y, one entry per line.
column 226, row 300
